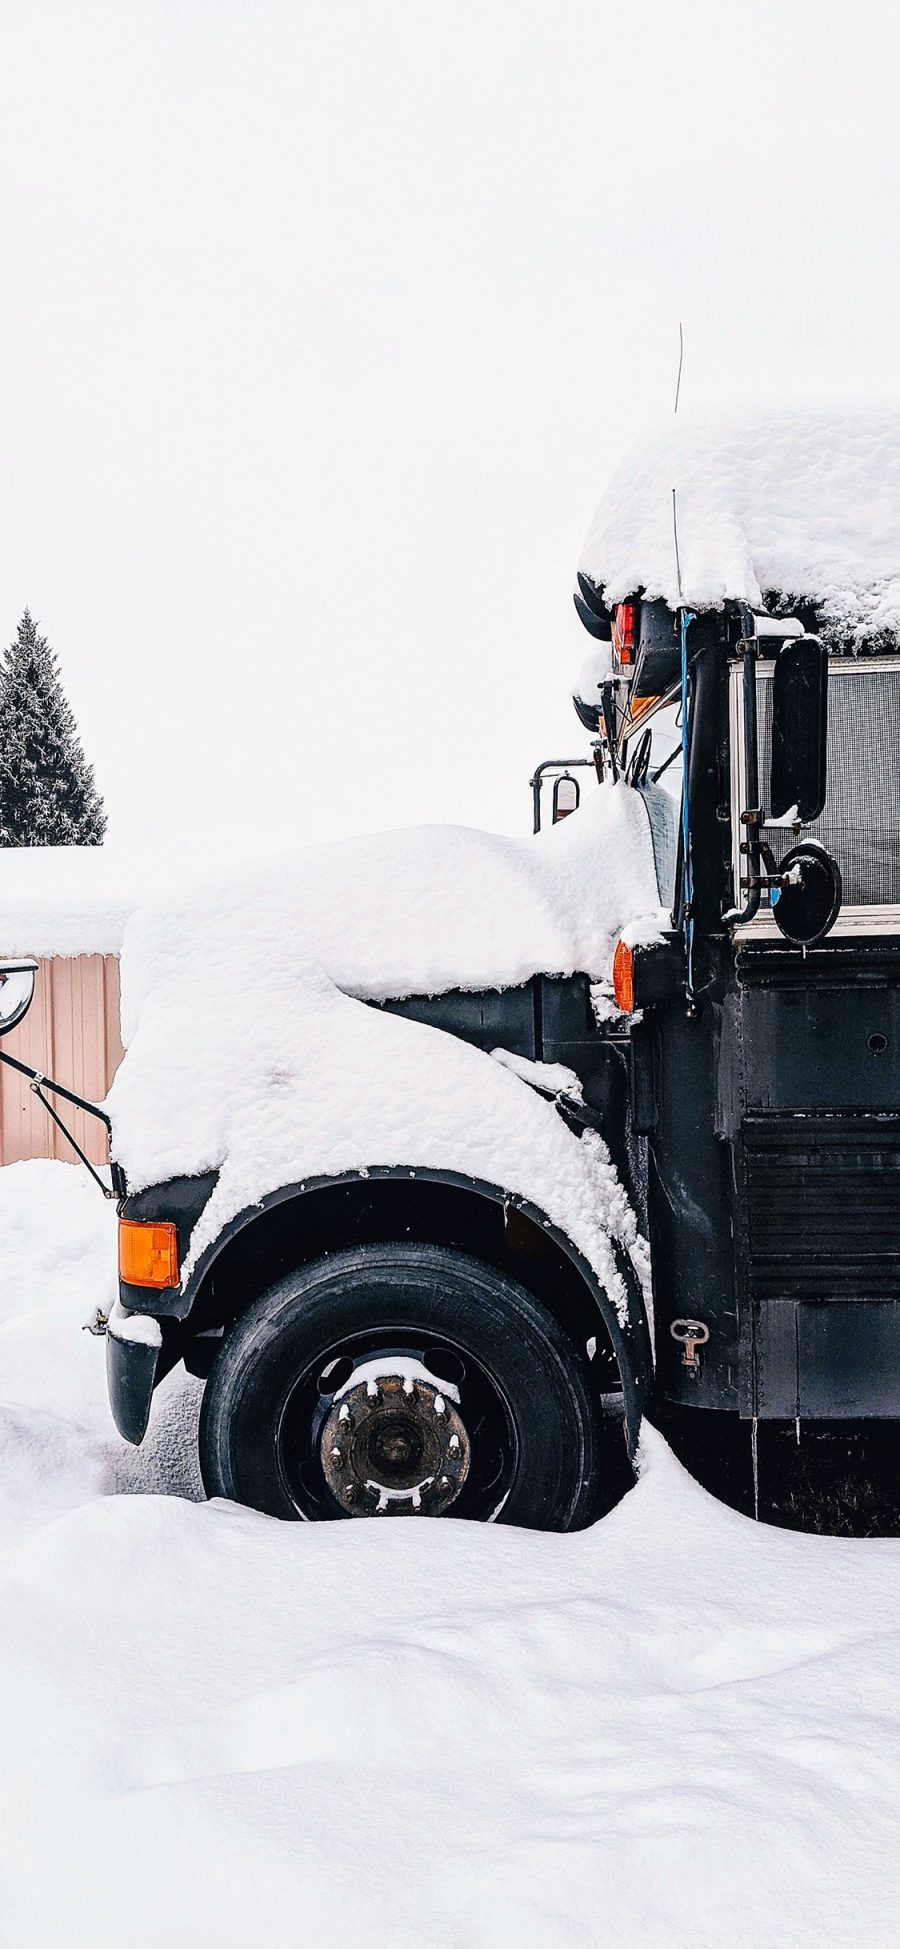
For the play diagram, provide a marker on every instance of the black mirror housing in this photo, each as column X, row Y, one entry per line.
column 566, row 796
column 799, row 729
column 16, row 992
column 588, row 714
column 806, row 906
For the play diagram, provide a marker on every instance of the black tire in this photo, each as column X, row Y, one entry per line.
column 524, row 1390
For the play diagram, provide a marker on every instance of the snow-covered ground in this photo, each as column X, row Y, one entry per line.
column 676, row 1728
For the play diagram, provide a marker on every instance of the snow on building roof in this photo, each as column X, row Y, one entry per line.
column 66, row 900
column 802, row 503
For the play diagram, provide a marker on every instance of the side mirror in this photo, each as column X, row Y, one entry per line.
column 588, row 714
column 566, row 796
column 807, row 903
column 799, row 730
column 16, row 991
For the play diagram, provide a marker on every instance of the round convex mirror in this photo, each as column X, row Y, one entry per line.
column 809, row 905
column 16, row 990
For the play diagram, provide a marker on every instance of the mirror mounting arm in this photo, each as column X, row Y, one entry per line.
column 773, row 877
column 39, row 1083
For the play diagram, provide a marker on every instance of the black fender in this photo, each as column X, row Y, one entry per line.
column 627, row 1326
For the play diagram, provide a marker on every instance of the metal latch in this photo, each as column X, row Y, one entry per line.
column 690, row 1334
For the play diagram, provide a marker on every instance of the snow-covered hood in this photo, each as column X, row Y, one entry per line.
column 796, row 503
column 250, row 1050
column 412, row 912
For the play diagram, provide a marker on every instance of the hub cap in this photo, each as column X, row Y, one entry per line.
column 394, row 1442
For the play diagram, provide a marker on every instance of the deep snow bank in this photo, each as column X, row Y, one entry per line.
column 675, row 1729
column 248, row 1050
column 57, row 1442
column 800, row 503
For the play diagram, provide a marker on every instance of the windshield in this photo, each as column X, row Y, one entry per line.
column 662, row 795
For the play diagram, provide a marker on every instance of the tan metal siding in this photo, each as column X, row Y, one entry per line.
column 71, row 1032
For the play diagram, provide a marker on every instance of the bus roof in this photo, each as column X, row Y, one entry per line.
column 779, row 503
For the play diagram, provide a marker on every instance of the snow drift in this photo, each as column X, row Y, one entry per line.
column 673, row 1729
column 800, row 504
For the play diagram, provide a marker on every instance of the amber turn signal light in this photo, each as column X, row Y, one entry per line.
column 623, row 977
column 148, row 1254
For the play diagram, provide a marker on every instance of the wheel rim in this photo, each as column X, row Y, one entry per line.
column 386, row 1424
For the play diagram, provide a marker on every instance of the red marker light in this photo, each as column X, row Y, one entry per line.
column 625, row 632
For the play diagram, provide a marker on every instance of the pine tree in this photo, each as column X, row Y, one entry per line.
column 47, row 791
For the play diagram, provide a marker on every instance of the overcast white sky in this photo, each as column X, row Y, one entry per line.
column 325, row 322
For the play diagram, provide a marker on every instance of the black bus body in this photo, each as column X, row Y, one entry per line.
column 748, row 1089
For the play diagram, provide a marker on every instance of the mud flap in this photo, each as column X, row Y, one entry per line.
column 130, row 1375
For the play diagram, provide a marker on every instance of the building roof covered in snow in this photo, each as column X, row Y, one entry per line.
column 65, row 900
column 71, row 900
column 801, row 504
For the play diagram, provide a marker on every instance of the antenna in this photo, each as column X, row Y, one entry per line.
column 674, row 513
column 677, row 556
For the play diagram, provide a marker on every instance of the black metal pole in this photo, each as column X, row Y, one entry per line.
column 551, row 764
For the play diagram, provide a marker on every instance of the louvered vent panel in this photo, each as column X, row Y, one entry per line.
column 860, row 824
column 823, row 1207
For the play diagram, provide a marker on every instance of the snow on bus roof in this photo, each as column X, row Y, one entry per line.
column 799, row 503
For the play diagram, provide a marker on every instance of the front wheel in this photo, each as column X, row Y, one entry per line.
column 402, row 1380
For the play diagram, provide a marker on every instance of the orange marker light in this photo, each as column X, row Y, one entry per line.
column 148, row 1254
column 623, row 977
column 639, row 706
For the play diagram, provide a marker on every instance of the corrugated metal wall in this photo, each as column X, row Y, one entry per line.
column 71, row 1032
